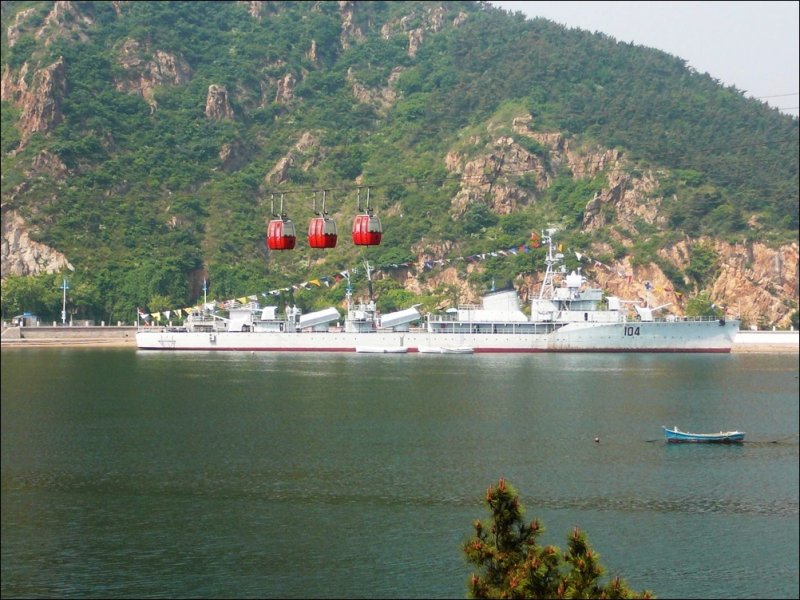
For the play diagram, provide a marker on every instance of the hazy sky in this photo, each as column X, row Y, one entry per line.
column 752, row 45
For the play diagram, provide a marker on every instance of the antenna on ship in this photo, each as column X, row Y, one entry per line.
column 369, row 281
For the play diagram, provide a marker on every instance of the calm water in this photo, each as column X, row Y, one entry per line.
column 130, row 474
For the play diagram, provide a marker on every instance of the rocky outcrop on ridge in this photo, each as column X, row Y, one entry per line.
column 23, row 256
column 217, row 104
column 149, row 70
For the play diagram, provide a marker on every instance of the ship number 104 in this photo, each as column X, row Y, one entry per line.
column 631, row 330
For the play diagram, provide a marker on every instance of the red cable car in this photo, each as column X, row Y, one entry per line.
column 281, row 234
column 321, row 229
column 367, row 230
column 322, row 232
column 280, row 231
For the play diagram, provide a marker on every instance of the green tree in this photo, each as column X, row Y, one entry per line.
column 511, row 564
column 84, row 298
column 702, row 306
column 38, row 294
column 478, row 217
column 703, row 263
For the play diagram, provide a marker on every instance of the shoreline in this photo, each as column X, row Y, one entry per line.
column 130, row 342
column 69, row 343
column 124, row 336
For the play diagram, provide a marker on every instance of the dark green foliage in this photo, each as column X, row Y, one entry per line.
column 21, row 51
column 40, row 295
column 148, row 187
column 671, row 272
column 518, row 225
column 392, row 296
column 387, row 257
column 570, row 196
column 512, row 564
column 702, row 306
column 8, row 120
column 478, row 217
column 702, row 264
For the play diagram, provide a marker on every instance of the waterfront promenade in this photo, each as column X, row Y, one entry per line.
column 90, row 336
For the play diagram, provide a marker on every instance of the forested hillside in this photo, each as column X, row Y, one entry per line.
column 146, row 146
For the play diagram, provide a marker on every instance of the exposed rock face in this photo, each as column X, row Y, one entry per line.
column 435, row 18
column 255, row 9
column 306, row 149
column 15, row 30
column 162, row 68
column 117, row 5
column 47, row 164
column 41, row 102
column 632, row 197
column 67, row 21
column 285, row 92
column 432, row 22
column 486, row 178
column 280, row 172
column 493, row 177
column 415, row 37
column 381, row 99
column 276, row 89
column 231, row 155
column 265, row 97
column 451, row 277
column 13, row 89
column 41, row 105
column 350, row 32
column 312, row 52
column 753, row 281
column 217, row 105
column 19, row 255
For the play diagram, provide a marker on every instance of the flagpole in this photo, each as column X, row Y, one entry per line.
column 64, row 287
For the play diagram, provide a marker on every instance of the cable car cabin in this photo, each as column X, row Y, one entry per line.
column 322, row 233
column 367, row 230
column 281, row 235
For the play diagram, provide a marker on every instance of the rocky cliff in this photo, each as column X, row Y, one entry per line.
column 753, row 280
column 23, row 256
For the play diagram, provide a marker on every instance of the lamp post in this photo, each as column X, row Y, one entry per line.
column 64, row 287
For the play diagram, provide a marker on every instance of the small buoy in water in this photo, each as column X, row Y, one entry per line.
column 596, row 440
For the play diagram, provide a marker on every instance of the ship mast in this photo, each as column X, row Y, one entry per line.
column 348, row 292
